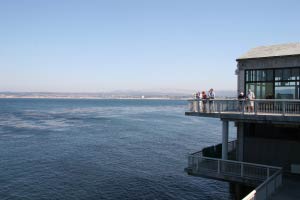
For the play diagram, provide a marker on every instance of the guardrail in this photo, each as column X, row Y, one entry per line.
column 215, row 151
column 270, row 176
column 267, row 188
column 258, row 106
column 229, row 167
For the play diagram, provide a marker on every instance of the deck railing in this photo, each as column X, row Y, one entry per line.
column 258, row 106
column 216, row 151
column 200, row 164
column 267, row 188
column 270, row 177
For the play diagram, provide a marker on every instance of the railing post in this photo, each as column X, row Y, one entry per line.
column 198, row 105
column 221, row 107
column 219, row 167
column 268, row 172
column 275, row 183
column 255, row 107
column 242, row 169
column 266, row 197
column 280, row 178
column 243, row 106
column 283, row 108
column 227, row 106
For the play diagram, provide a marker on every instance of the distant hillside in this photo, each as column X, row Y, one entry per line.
column 113, row 95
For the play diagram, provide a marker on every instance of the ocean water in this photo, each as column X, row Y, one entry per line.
column 103, row 149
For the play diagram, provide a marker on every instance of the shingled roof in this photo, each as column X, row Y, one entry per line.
column 272, row 51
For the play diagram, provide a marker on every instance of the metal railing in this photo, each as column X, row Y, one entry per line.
column 258, row 106
column 270, row 176
column 267, row 188
column 216, row 150
column 200, row 164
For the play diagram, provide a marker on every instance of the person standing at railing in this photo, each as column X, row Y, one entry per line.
column 204, row 101
column 211, row 97
column 250, row 102
column 241, row 99
column 199, row 103
column 197, row 95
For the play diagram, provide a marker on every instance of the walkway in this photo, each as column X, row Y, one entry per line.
column 290, row 190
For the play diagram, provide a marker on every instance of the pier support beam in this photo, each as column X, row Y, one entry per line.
column 224, row 139
column 240, row 141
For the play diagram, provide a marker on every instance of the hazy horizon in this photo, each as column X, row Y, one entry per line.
column 164, row 91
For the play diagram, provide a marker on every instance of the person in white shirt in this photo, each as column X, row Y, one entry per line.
column 250, row 97
column 211, row 95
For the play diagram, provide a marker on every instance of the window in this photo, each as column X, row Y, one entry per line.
column 295, row 74
column 278, row 75
column 261, row 90
column 274, row 83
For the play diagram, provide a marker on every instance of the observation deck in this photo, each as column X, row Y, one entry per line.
column 266, row 179
column 263, row 110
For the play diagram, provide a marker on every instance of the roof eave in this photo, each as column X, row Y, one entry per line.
column 255, row 58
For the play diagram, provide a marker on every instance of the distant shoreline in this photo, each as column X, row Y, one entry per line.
column 97, row 98
column 110, row 96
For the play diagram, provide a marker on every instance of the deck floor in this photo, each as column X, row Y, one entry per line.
column 260, row 117
column 290, row 190
column 250, row 113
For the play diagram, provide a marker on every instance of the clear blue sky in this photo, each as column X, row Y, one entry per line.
column 103, row 45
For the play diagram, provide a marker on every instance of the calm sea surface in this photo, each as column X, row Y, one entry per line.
column 102, row 149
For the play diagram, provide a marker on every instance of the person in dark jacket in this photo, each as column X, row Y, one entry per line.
column 204, row 100
column 241, row 99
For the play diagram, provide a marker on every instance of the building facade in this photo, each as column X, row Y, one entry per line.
column 271, row 72
column 268, row 137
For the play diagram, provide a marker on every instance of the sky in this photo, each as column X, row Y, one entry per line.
column 110, row 45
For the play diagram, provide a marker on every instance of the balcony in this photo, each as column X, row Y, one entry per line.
column 261, row 110
column 266, row 179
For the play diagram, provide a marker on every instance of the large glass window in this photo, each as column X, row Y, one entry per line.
column 278, row 75
column 269, row 74
column 287, row 90
column 274, row 83
column 259, row 75
column 286, row 74
column 295, row 74
column 261, row 90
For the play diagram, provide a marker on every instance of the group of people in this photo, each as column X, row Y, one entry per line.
column 246, row 101
column 209, row 97
column 249, row 103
